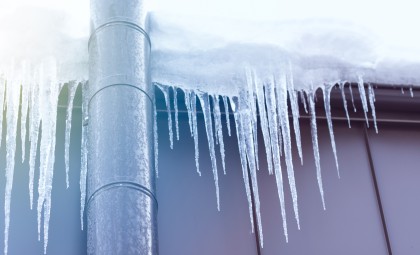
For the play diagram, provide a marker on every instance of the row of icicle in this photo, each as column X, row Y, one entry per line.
column 265, row 102
column 35, row 92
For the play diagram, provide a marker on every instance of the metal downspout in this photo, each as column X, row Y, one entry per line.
column 121, row 204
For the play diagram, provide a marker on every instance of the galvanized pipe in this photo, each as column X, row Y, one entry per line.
column 121, row 203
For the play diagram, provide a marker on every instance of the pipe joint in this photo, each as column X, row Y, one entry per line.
column 120, row 22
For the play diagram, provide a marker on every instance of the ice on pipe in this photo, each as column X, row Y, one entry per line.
column 84, row 156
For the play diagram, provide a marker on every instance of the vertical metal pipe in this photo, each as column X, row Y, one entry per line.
column 121, row 204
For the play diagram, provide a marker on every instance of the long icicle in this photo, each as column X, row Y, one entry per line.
column 362, row 93
column 372, row 105
column 259, row 89
column 12, row 97
column 176, row 112
column 193, row 101
column 205, row 105
column 245, row 118
column 316, row 146
column 218, row 127
column 84, row 155
column 72, row 87
column 293, row 96
column 242, row 155
column 283, row 113
column 327, row 106
column 273, row 124
column 225, row 103
column 24, row 106
column 165, row 91
column 34, row 126
column 343, row 95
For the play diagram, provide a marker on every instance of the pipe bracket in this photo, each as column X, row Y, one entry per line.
column 119, row 84
column 122, row 184
column 124, row 23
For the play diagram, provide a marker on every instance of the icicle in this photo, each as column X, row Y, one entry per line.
column 245, row 174
column 402, row 90
column 274, row 136
column 155, row 139
column 193, row 101
column 225, row 102
column 251, row 100
column 12, row 97
column 327, row 106
column 283, row 113
column 205, row 105
column 303, row 99
column 372, row 105
column 187, row 95
column 218, row 131
column 72, row 87
column 24, row 110
column 84, row 155
column 411, row 91
column 165, row 91
column 343, row 95
column 49, row 98
column 352, row 97
column 176, row 113
column 295, row 112
column 316, row 146
column 245, row 116
column 362, row 93
column 34, row 126
column 259, row 89
column 2, row 94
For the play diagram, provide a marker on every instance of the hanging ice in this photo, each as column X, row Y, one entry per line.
column 176, row 112
column 343, row 95
column 362, row 93
column 274, row 137
column 283, row 113
column 225, row 103
column 327, row 106
column 372, row 105
column 72, row 87
column 218, row 131
column 316, row 146
column 84, row 156
column 165, row 91
column 205, row 106
column 12, row 101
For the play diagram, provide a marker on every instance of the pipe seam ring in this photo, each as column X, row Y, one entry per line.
column 119, row 84
column 121, row 184
column 120, row 23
